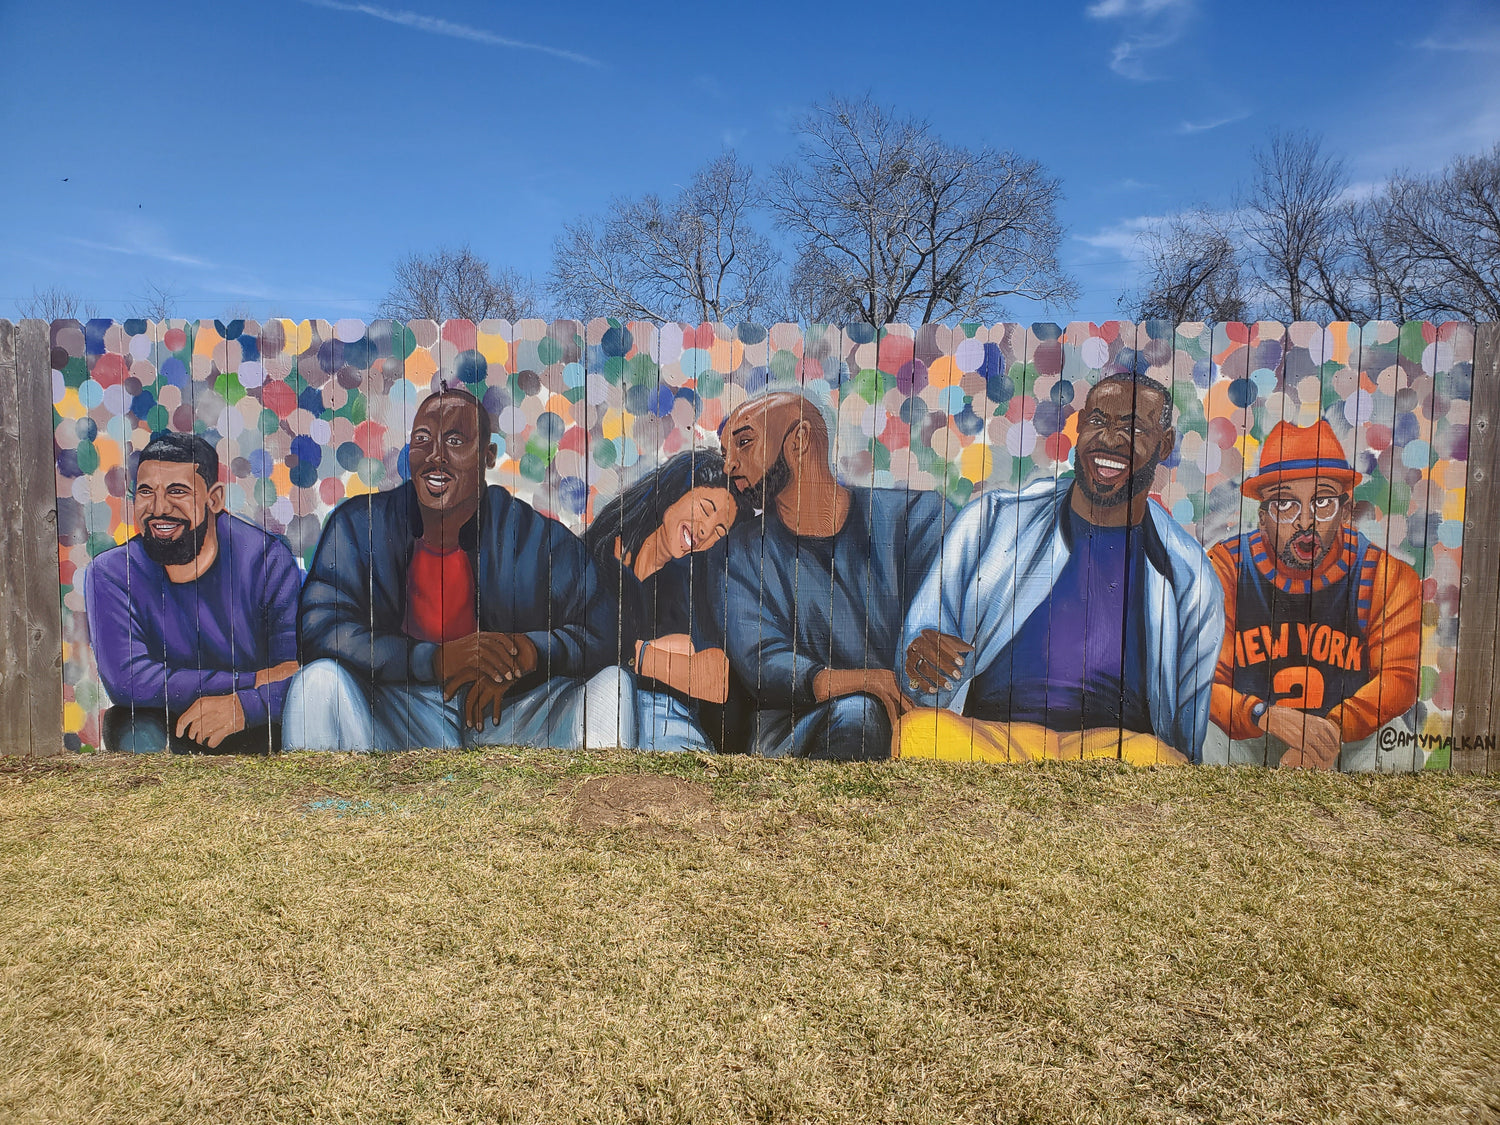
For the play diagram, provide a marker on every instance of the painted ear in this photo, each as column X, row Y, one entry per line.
column 216, row 498
column 1168, row 442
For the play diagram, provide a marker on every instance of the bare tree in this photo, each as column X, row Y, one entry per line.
column 457, row 284
column 697, row 255
column 54, row 303
column 1443, row 232
column 1193, row 270
column 893, row 223
column 155, row 301
column 1294, row 218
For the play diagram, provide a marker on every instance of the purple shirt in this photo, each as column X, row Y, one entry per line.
column 160, row 643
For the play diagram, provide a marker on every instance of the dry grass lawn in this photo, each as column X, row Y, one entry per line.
column 544, row 937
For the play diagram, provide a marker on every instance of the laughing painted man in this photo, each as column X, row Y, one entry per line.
column 446, row 612
column 818, row 588
column 1074, row 619
column 1325, row 629
column 194, row 620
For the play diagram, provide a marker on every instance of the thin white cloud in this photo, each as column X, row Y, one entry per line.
column 138, row 245
column 1123, row 237
column 1189, row 127
column 435, row 26
column 1483, row 44
column 1154, row 24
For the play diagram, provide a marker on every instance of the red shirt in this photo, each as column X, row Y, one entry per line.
column 440, row 595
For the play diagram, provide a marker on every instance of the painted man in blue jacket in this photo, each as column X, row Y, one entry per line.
column 819, row 585
column 1072, row 619
column 446, row 612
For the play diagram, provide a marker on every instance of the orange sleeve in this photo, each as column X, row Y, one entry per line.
column 1228, row 708
column 1393, row 648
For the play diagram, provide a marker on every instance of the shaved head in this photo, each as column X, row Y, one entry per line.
column 754, row 437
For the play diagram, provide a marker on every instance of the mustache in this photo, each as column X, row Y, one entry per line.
column 186, row 525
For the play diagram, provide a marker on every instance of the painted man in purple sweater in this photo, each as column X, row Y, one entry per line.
column 194, row 620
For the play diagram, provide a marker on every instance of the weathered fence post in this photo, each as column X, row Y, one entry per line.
column 15, row 720
column 31, row 664
column 1476, row 703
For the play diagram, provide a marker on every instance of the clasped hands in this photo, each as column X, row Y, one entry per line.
column 488, row 664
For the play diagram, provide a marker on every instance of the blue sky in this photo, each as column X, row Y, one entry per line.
column 276, row 158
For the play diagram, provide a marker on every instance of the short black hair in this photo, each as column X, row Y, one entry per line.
column 1137, row 381
column 179, row 449
column 486, row 423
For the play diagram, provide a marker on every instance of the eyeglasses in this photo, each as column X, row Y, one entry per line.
column 1325, row 509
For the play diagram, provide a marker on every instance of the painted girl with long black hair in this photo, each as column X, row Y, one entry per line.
column 647, row 539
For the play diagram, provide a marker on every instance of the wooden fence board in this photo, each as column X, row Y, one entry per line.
column 1476, row 705
column 38, row 559
column 15, row 721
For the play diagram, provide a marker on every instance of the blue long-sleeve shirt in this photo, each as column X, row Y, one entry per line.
column 531, row 575
column 799, row 604
column 160, row 643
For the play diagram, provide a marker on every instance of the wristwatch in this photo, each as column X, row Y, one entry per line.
column 1258, row 710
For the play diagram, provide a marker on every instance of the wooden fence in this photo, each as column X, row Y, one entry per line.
column 952, row 443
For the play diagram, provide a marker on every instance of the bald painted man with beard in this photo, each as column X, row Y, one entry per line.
column 818, row 588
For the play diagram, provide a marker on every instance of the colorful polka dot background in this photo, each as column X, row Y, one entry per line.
column 306, row 414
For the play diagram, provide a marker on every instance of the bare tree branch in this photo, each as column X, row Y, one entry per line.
column 51, row 303
column 156, row 301
column 893, row 223
column 1193, row 271
column 457, row 284
column 1443, row 233
column 1294, row 218
column 696, row 256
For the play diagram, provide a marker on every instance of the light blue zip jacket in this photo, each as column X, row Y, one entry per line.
column 1000, row 558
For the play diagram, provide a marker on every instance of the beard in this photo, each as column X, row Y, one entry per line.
column 175, row 552
column 776, row 478
column 1291, row 558
column 1137, row 484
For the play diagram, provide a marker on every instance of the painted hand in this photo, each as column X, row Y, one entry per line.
column 1313, row 741
column 483, row 702
column 502, row 658
column 934, row 659
column 211, row 719
column 276, row 673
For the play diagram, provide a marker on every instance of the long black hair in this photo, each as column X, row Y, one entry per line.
column 634, row 516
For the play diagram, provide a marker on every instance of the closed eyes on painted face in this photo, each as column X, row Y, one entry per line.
column 697, row 520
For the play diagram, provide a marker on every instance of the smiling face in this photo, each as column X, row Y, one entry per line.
column 449, row 454
column 1301, row 520
column 1121, row 440
column 172, row 507
column 699, row 519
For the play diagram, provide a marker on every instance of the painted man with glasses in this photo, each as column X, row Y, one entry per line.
column 1324, row 630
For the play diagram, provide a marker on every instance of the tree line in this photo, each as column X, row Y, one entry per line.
column 882, row 220
column 1301, row 242
column 885, row 221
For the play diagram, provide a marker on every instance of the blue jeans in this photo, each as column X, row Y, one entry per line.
column 664, row 722
column 329, row 708
column 851, row 728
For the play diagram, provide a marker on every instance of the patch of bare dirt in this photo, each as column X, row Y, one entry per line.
column 18, row 768
column 657, row 804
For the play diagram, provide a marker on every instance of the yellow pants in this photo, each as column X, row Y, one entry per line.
column 934, row 733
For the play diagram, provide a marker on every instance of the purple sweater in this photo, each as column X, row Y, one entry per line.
column 160, row 643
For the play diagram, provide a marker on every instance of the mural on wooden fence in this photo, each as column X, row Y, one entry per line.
column 1163, row 543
